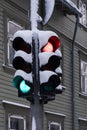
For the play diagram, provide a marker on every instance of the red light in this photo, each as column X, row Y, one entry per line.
column 52, row 45
column 48, row 48
column 55, row 42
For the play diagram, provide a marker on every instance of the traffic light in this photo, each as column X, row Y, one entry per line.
column 22, row 62
column 49, row 56
column 50, row 70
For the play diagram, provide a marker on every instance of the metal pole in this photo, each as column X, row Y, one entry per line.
column 36, row 108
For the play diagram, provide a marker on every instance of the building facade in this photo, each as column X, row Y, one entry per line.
column 68, row 110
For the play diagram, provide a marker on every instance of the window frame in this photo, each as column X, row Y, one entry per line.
column 15, row 109
column 56, row 124
column 83, row 75
column 81, row 19
column 10, row 38
column 16, row 117
column 82, row 127
column 56, row 118
column 8, row 52
column 8, row 16
column 82, row 123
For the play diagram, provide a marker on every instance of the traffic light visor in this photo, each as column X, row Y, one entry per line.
column 20, row 44
column 16, row 81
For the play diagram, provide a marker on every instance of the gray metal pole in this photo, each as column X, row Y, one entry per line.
column 36, row 108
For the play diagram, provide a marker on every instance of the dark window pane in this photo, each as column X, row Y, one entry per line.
column 54, row 127
column 17, row 124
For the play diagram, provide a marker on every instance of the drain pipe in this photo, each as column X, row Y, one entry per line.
column 73, row 74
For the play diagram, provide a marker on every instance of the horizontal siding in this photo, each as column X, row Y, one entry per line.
column 21, row 4
column 15, row 10
column 1, row 36
column 7, row 91
column 64, row 26
column 2, row 116
column 62, row 104
column 80, row 102
column 81, row 37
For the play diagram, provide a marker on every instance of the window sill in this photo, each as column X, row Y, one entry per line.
column 8, row 69
column 83, row 95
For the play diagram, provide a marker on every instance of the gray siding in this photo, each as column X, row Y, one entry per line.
column 1, row 60
column 64, row 27
column 62, row 104
column 7, row 92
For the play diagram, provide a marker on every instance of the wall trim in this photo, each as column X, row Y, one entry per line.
column 82, row 119
column 15, row 104
column 54, row 113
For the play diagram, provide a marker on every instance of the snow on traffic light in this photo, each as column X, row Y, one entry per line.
column 49, row 55
column 22, row 62
column 50, row 70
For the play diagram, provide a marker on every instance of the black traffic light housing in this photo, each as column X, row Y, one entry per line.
column 50, row 59
column 49, row 56
column 22, row 62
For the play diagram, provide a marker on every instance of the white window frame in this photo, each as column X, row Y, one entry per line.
column 8, row 47
column 55, row 123
column 10, row 38
column 83, row 9
column 16, row 117
column 83, row 77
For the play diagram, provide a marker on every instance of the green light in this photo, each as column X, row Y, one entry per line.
column 48, row 88
column 24, row 87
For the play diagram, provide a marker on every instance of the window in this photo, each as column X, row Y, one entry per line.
column 84, row 77
column 83, row 9
column 83, row 128
column 12, row 27
column 55, row 121
column 16, row 122
column 82, row 124
column 54, row 126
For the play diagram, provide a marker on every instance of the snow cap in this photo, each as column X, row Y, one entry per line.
column 42, row 35
column 25, row 34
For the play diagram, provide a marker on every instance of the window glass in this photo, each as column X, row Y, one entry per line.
column 83, row 9
column 17, row 123
column 83, row 128
column 12, row 27
column 54, row 126
column 84, row 77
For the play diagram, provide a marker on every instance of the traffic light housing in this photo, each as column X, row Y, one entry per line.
column 49, row 56
column 50, row 59
column 22, row 62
